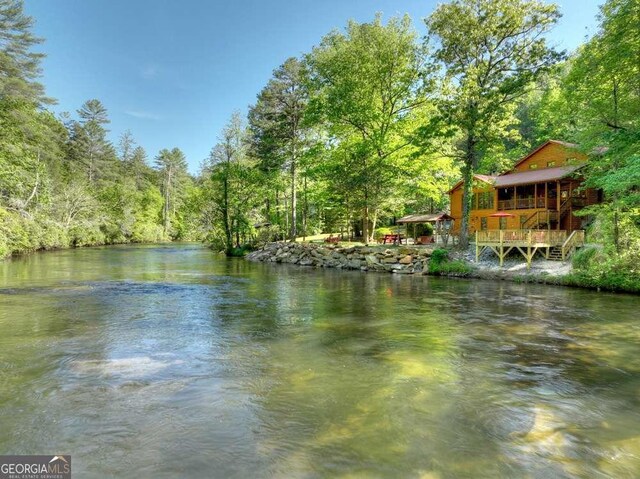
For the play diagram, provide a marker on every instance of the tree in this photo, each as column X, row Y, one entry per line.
column 88, row 143
column 19, row 66
column 233, row 185
column 277, row 129
column 492, row 51
column 30, row 152
column 366, row 83
column 172, row 166
column 603, row 85
column 126, row 147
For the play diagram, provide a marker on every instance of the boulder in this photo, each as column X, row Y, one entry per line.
column 406, row 259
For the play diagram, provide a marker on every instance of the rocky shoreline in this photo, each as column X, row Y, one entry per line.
column 398, row 260
column 407, row 260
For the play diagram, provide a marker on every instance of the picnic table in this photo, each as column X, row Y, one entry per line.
column 394, row 239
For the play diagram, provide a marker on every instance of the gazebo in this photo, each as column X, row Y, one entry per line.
column 442, row 223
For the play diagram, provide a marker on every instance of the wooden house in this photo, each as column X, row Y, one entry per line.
column 540, row 192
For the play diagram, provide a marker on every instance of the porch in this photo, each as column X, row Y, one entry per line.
column 552, row 244
column 546, row 196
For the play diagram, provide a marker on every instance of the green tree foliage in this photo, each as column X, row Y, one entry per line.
column 61, row 181
column 233, row 187
column 278, row 134
column 603, row 85
column 88, row 144
column 172, row 166
column 19, row 65
column 492, row 50
column 367, row 82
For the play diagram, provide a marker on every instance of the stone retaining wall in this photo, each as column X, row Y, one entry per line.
column 400, row 260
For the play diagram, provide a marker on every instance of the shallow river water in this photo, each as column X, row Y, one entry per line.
column 169, row 361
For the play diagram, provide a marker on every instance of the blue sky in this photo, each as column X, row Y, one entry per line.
column 173, row 71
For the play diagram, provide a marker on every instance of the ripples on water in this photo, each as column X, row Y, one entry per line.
column 168, row 361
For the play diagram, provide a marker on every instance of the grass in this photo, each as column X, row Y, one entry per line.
column 440, row 264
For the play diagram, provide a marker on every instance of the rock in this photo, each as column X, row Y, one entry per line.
column 371, row 259
column 406, row 260
column 403, row 260
column 401, row 271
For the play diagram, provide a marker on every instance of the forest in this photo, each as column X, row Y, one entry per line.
column 375, row 122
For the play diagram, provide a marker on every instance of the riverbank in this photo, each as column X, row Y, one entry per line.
column 20, row 234
column 398, row 260
column 429, row 260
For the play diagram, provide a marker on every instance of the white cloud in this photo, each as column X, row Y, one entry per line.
column 145, row 115
column 149, row 71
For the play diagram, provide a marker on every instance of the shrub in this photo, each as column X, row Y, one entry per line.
column 440, row 264
column 380, row 232
column 424, row 229
column 239, row 252
column 595, row 268
column 439, row 255
column 583, row 258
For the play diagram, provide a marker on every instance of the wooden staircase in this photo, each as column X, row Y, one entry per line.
column 543, row 219
column 555, row 253
column 573, row 242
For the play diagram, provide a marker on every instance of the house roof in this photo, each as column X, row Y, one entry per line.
column 484, row 178
column 548, row 142
column 430, row 218
column 534, row 176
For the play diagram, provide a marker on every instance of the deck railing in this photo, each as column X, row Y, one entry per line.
column 523, row 237
column 521, row 204
column 575, row 240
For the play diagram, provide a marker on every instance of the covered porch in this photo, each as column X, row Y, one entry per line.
column 441, row 223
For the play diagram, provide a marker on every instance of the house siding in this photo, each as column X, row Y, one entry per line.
column 542, row 158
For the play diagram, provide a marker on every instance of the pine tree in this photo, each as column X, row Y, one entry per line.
column 19, row 66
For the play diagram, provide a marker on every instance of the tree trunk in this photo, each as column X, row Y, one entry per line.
column 616, row 230
column 305, row 210
column 225, row 214
column 167, row 201
column 34, row 191
column 365, row 219
column 467, row 194
column 468, row 170
column 294, row 199
column 373, row 224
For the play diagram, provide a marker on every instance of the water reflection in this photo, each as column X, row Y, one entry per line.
column 130, row 357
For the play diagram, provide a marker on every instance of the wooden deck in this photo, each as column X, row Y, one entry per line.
column 553, row 244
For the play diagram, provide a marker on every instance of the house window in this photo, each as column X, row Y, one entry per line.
column 533, row 166
column 483, row 200
column 551, row 164
column 503, row 223
column 483, row 223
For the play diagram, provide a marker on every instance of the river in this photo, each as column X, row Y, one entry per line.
column 170, row 361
